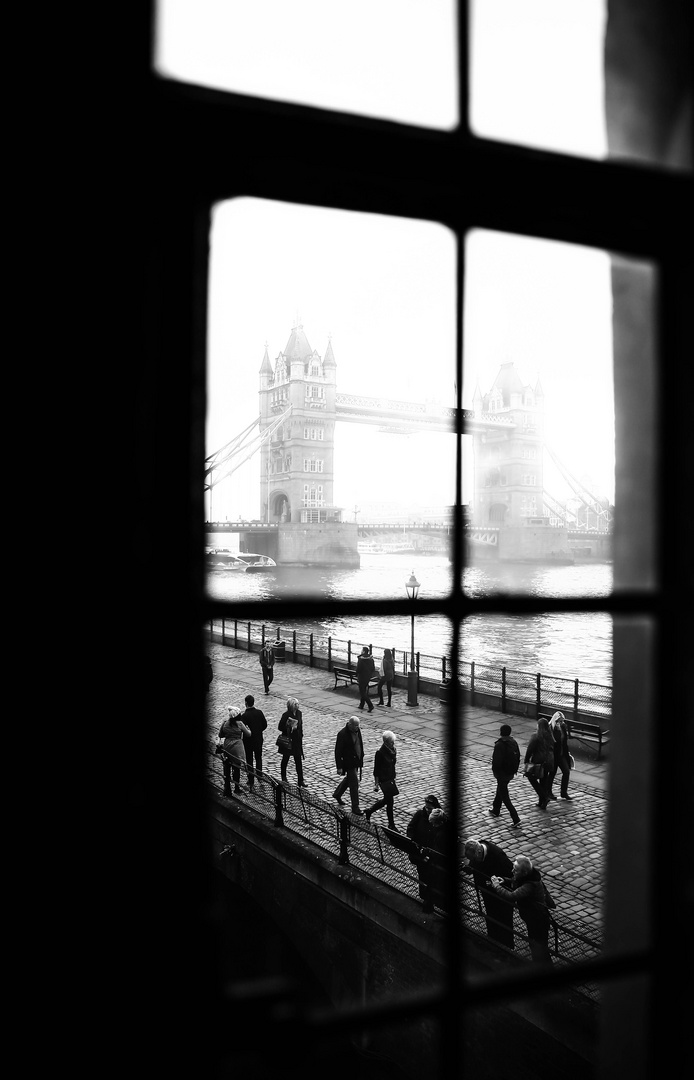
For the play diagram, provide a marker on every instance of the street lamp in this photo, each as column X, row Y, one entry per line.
column 412, row 587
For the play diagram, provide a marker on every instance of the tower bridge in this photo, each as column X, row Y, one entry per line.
column 510, row 514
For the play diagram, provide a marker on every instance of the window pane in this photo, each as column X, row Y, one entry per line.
column 329, row 425
column 385, row 58
column 536, row 73
column 539, row 461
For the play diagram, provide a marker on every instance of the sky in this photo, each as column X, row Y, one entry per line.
column 383, row 289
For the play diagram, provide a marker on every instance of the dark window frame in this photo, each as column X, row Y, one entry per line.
column 202, row 146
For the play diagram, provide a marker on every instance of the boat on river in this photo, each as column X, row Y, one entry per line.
column 257, row 564
column 224, row 559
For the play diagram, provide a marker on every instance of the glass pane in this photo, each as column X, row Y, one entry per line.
column 536, row 73
column 381, row 58
column 539, row 459
column 583, row 78
column 324, row 806
column 520, row 675
column 329, row 427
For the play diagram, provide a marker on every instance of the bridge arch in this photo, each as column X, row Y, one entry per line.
column 497, row 513
column 279, row 507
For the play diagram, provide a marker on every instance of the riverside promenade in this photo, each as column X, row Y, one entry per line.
column 566, row 841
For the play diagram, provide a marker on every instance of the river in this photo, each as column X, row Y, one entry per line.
column 567, row 645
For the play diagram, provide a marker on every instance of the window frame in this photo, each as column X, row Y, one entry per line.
column 204, row 146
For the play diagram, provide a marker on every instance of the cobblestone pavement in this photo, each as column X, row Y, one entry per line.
column 566, row 841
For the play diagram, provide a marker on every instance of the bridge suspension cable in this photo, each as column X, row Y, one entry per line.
column 580, row 490
column 231, row 451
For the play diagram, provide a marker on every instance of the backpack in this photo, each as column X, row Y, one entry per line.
column 506, row 756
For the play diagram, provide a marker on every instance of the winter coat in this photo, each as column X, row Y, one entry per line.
column 495, row 863
column 267, row 657
column 294, row 730
column 387, row 669
column 529, row 896
column 539, row 752
column 232, row 731
column 418, row 828
column 347, row 755
column 256, row 721
column 365, row 671
column 505, row 757
column 560, row 734
column 384, row 765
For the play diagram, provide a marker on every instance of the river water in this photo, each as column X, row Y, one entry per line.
column 569, row 645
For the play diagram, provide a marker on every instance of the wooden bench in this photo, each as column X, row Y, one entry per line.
column 583, row 730
column 348, row 675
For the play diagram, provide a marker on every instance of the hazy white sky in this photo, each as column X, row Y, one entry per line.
column 384, row 288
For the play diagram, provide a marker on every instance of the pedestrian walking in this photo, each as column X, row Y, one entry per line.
column 230, row 742
column 384, row 778
column 386, row 677
column 418, row 827
column 291, row 725
column 485, row 860
column 563, row 760
column 267, row 664
column 539, row 760
column 255, row 720
column 365, row 671
column 527, row 891
column 505, row 762
column 349, row 760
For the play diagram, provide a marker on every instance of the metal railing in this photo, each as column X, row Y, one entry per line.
column 534, row 688
column 370, row 849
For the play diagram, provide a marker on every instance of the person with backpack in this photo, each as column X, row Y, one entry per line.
column 505, row 763
column 267, row 663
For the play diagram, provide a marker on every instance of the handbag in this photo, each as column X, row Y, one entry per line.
column 535, row 770
column 284, row 744
column 572, row 763
column 219, row 748
column 389, row 787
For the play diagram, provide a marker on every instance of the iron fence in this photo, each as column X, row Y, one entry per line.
column 373, row 850
column 533, row 688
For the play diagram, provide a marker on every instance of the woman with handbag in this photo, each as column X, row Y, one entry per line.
column 231, row 749
column 290, row 741
column 539, row 762
column 384, row 778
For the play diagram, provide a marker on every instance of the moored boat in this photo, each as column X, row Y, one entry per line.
column 257, row 563
column 224, row 559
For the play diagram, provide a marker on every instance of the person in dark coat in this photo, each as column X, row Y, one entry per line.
column 386, row 677
column 418, row 827
column 527, row 891
column 505, row 762
column 384, row 778
column 253, row 744
column 433, row 864
column 540, row 753
column 349, row 759
column 230, row 738
column 485, row 860
column 292, row 724
column 365, row 671
column 562, row 757
column 267, row 664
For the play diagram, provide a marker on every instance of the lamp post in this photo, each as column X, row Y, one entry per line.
column 412, row 587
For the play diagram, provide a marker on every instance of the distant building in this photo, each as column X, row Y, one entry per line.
column 297, row 461
column 508, row 458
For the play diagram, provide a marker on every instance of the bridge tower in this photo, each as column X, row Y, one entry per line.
column 296, row 463
column 508, row 480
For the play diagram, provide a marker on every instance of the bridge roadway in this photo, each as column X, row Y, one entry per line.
column 567, row 841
